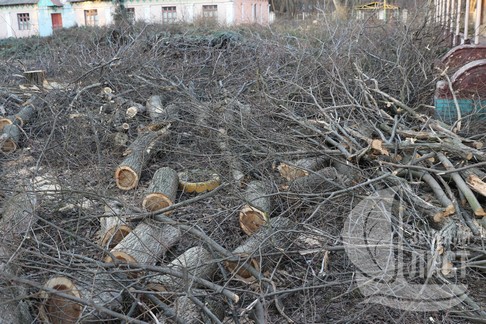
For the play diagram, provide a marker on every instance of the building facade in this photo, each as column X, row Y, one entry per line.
column 23, row 18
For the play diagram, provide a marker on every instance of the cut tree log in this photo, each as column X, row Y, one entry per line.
column 162, row 190
column 157, row 111
column 6, row 121
column 113, row 226
column 198, row 180
column 154, row 107
column 258, row 208
column 96, row 291
column 9, row 139
column 277, row 235
column 35, row 77
column 196, row 261
column 127, row 174
column 16, row 221
column 146, row 244
column 25, row 115
column 300, row 168
column 189, row 312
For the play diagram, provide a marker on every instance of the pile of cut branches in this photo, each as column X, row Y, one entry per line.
column 189, row 174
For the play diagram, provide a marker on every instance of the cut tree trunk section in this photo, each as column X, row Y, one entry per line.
column 9, row 139
column 162, row 190
column 146, row 244
column 35, row 77
column 196, row 261
column 275, row 236
column 100, row 289
column 6, row 121
column 157, row 111
column 25, row 115
column 259, row 206
column 113, row 226
column 127, row 174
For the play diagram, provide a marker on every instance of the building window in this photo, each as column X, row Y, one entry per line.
column 24, row 21
column 169, row 15
column 210, row 11
column 91, row 17
column 131, row 14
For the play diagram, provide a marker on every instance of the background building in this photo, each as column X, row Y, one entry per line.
column 23, row 18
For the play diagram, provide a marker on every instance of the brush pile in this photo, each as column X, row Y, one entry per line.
column 207, row 175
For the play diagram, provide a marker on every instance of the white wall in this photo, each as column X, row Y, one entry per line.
column 9, row 26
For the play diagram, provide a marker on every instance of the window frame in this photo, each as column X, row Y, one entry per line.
column 23, row 20
column 91, row 21
column 130, row 12
column 210, row 12
column 169, row 15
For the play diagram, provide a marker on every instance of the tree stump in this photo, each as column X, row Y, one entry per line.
column 127, row 174
column 35, row 77
column 277, row 235
column 113, row 227
column 145, row 245
column 162, row 190
column 198, row 180
column 196, row 261
column 9, row 138
column 257, row 210
column 98, row 289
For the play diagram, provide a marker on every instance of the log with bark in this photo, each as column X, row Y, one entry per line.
column 258, row 207
column 127, row 174
column 276, row 236
column 9, row 120
column 162, row 191
column 16, row 222
column 114, row 227
column 24, row 116
column 9, row 138
column 81, row 298
column 157, row 111
column 146, row 244
column 196, row 261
